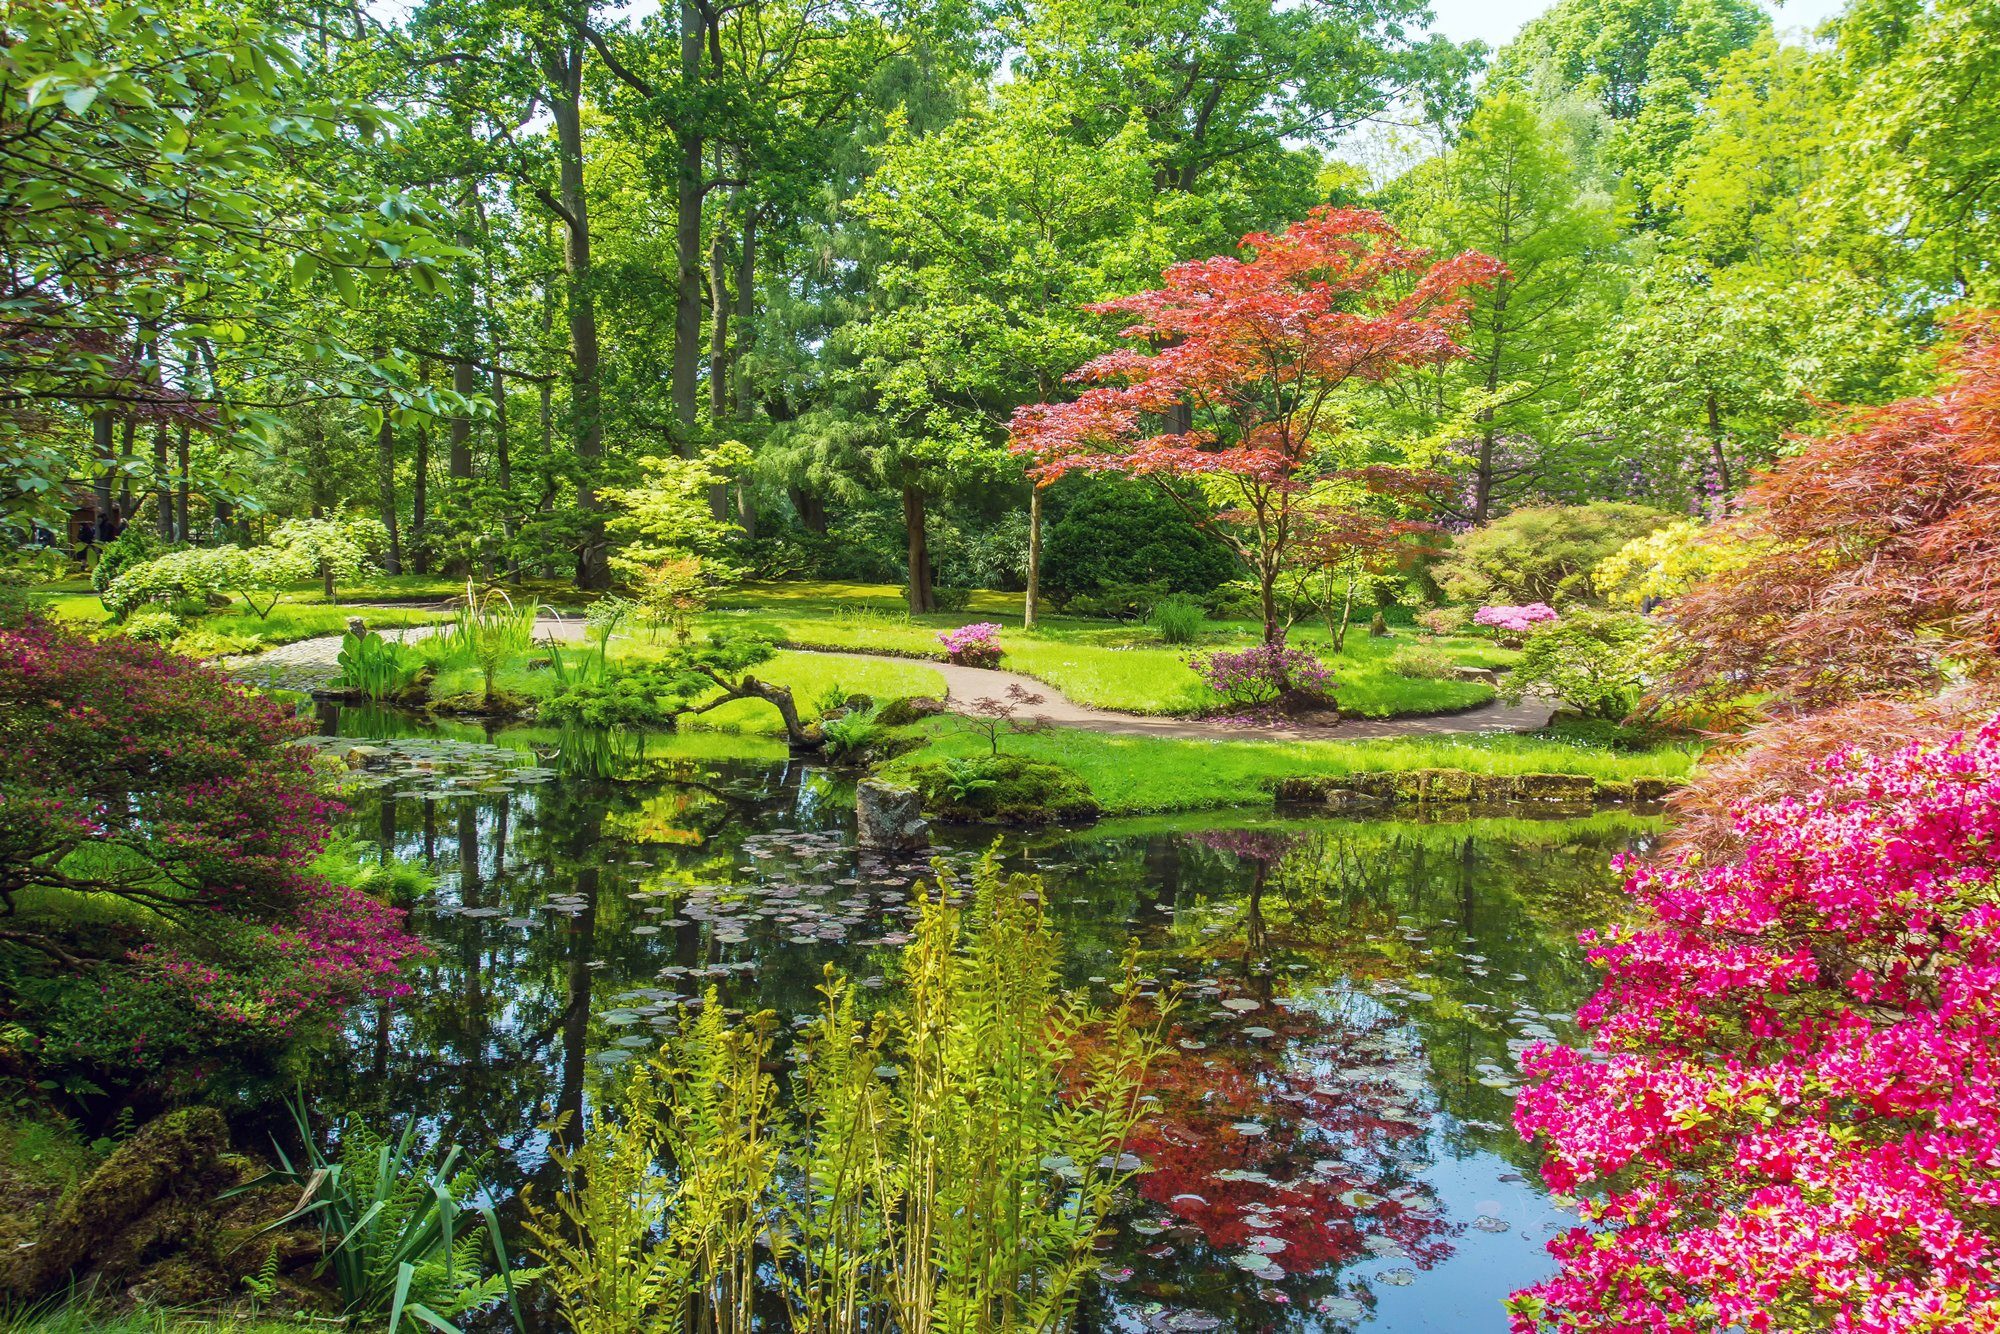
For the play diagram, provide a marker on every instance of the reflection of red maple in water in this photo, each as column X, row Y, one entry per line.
column 1329, row 1150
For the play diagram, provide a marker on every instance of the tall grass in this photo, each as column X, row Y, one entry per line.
column 486, row 629
column 949, row 1163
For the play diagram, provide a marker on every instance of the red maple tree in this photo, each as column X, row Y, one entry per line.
column 1881, row 574
column 1241, row 369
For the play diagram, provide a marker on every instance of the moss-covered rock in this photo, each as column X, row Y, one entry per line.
column 908, row 709
column 1611, row 790
column 148, row 1218
column 1003, row 789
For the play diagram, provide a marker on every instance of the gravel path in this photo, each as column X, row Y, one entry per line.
column 311, row 663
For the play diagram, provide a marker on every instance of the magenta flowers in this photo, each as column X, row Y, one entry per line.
column 1515, row 620
column 975, row 645
column 1262, row 674
column 1788, row 1114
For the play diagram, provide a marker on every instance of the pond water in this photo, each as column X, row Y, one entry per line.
column 1333, row 1151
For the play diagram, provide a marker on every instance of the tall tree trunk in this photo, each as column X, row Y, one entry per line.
column 1031, row 602
column 101, row 436
column 127, row 443
column 420, row 504
column 464, row 383
column 718, row 356
column 921, row 596
column 811, row 509
column 163, row 487
column 746, row 307
column 586, row 403
column 687, row 231
column 181, row 530
column 385, row 490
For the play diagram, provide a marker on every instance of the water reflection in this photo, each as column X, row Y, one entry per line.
column 1331, row 1147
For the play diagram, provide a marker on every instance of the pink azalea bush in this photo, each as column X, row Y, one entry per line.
column 1260, row 675
column 1788, row 1114
column 1515, row 620
column 975, row 645
column 191, row 804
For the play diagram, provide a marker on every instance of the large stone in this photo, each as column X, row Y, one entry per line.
column 889, row 818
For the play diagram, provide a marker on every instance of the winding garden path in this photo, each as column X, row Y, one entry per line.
column 310, row 663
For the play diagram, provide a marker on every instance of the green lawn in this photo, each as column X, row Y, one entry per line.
column 1139, row 775
column 239, row 630
column 1106, row 664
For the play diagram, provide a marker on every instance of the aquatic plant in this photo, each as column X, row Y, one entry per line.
column 950, row 1162
column 378, row 667
column 389, row 1216
column 1785, row 1117
column 852, row 733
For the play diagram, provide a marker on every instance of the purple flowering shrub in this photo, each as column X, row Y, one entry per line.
column 132, row 774
column 1514, row 620
column 975, row 645
column 1263, row 675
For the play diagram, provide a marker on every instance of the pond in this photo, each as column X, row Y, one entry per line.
column 1333, row 1148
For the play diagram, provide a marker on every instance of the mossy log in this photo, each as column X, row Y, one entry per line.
column 1387, row 789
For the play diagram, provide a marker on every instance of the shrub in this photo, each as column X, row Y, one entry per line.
column 1514, row 622
column 1178, row 619
column 135, row 546
column 949, row 599
column 1111, row 533
column 1005, row 789
column 1668, row 561
column 150, row 781
column 152, row 625
column 975, row 645
column 205, row 573
column 1424, row 662
column 1785, row 1116
column 335, row 548
column 1263, row 674
column 1546, row 554
column 1594, row 662
column 1443, row 620
column 1115, row 602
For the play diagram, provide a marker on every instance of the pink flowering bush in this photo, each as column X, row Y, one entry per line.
column 1263, row 674
column 1788, row 1116
column 975, row 645
column 1514, row 620
column 131, row 774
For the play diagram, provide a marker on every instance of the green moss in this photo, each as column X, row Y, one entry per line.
column 1003, row 789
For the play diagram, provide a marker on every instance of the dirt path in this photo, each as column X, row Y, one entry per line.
column 966, row 686
column 310, row 663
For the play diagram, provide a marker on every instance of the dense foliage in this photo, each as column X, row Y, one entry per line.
column 1785, row 1118
column 151, row 782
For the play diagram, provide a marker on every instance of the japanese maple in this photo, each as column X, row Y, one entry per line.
column 1882, row 568
column 132, row 774
column 1237, row 370
column 1786, row 1117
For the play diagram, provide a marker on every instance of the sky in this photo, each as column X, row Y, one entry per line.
column 1496, row 21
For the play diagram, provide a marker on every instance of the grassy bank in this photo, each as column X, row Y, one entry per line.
column 1105, row 664
column 1141, row 775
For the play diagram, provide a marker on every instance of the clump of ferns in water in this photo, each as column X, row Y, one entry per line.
column 952, row 1159
column 151, row 781
column 1786, row 1116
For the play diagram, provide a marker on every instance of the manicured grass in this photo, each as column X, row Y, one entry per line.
column 1108, row 665
column 1136, row 775
column 240, row 630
